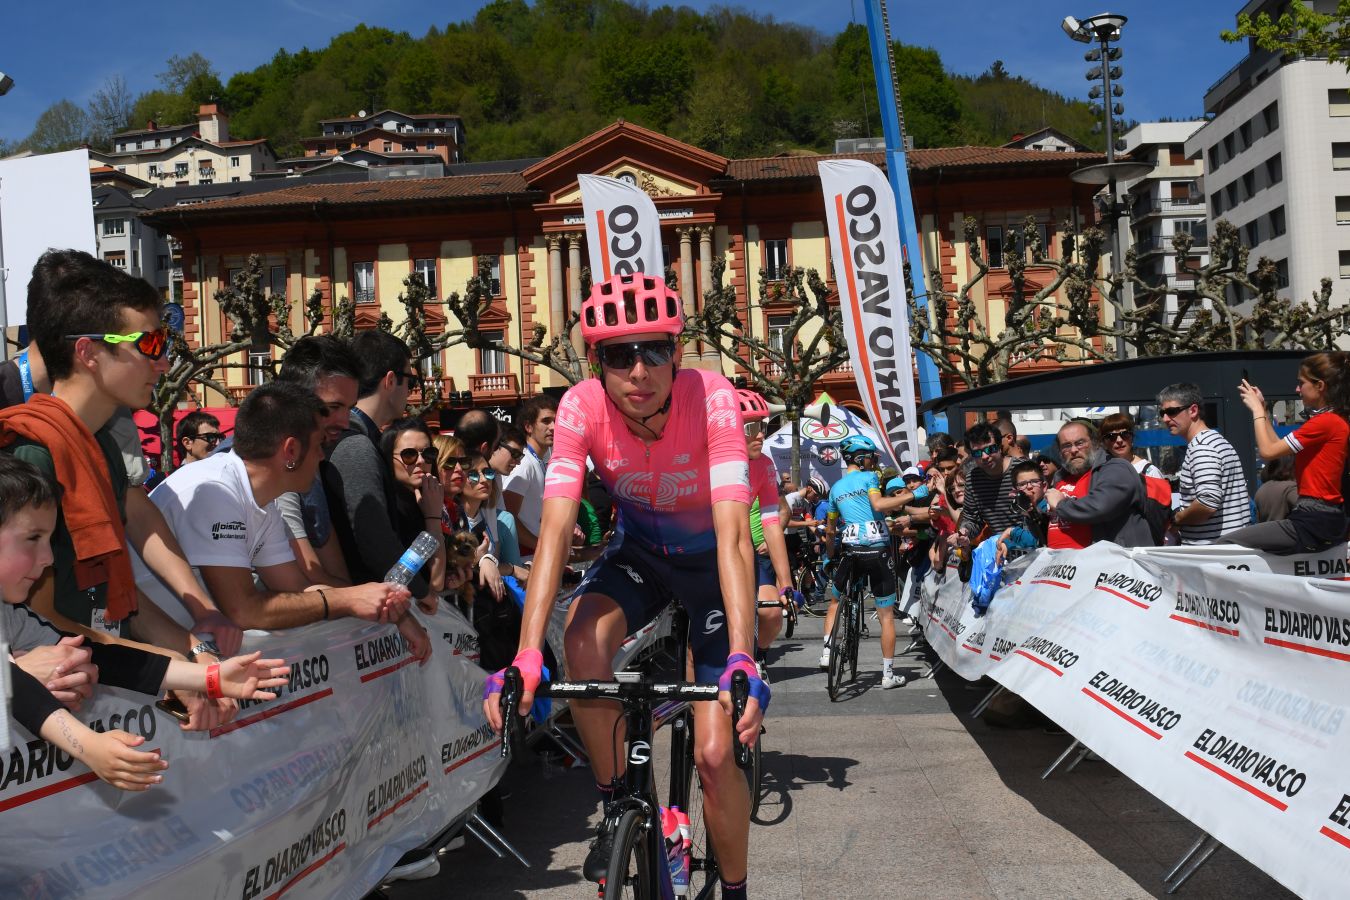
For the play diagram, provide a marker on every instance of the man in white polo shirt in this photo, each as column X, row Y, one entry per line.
column 523, row 492
column 223, row 512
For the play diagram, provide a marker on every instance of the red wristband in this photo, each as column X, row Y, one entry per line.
column 213, row 681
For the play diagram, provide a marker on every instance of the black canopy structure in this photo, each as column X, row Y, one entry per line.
column 1132, row 385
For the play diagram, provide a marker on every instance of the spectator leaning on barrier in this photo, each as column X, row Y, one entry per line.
column 524, row 489
column 224, row 513
column 1097, row 498
column 1319, row 446
column 1214, row 499
column 1029, row 501
column 324, row 365
column 419, row 500
column 197, row 435
column 99, row 333
column 1278, row 491
column 358, row 482
column 1117, row 431
column 988, row 506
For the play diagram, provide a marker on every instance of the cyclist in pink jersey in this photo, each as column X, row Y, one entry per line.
column 669, row 447
column 773, row 573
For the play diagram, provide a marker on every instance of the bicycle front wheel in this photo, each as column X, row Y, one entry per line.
column 632, row 874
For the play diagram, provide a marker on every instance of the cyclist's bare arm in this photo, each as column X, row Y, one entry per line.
column 735, row 568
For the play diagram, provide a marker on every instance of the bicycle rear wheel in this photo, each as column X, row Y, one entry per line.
column 834, row 674
column 854, row 633
column 631, row 867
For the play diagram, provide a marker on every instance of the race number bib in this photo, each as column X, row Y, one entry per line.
column 869, row 532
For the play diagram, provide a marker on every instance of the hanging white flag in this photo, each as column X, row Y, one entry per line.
column 623, row 231
column 865, row 243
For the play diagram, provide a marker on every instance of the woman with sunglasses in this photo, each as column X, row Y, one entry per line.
column 667, row 444
column 481, row 513
column 420, row 499
column 773, row 573
column 1117, row 431
column 1319, row 448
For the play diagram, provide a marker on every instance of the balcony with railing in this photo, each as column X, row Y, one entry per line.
column 494, row 384
column 1163, row 243
column 771, row 369
column 1162, row 206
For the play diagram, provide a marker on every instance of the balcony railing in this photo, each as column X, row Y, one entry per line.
column 494, row 383
column 771, row 369
column 1163, row 244
column 1166, row 205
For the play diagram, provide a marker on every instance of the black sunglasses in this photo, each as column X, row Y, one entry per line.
column 211, row 439
column 625, row 356
column 1109, row 437
column 412, row 378
column 1173, row 411
column 409, row 456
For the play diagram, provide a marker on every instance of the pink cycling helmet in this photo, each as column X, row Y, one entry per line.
column 753, row 406
column 629, row 304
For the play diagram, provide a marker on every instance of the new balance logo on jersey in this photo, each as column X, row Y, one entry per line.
column 637, row 579
column 681, row 459
column 713, row 623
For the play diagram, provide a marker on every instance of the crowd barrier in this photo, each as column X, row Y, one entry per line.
column 1214, row 677
column 362, row 756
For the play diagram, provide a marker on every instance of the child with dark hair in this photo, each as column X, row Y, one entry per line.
column 28, row 507
column 1029, row 500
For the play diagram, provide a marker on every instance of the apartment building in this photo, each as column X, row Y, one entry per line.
column 187, row 155
column 385, row 138
column 1168, row 200
column 1276, row 151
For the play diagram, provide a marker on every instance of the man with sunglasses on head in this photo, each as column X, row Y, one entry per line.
column 989, row 506
column 668, row 445
column 1214, row 498
column 197, row 436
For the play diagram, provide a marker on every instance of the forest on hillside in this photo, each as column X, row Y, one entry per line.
column 530, row 79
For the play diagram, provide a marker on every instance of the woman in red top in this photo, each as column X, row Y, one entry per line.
column 1317, row 521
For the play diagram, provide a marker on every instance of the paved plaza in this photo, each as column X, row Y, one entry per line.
column 886, row 794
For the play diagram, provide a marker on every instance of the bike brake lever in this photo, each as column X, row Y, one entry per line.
column 510, row 700
column 740, row 695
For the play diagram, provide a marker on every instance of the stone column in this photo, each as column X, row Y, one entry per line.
column 574, row 287
column 692, row 350
column 712, row 359
column 557, row 311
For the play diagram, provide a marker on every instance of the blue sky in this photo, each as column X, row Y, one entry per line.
column 1172, row 50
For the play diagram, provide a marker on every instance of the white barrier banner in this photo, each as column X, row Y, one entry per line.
column 363, row 756
column 1216, row 678
column 623, row 230
column 865, row 244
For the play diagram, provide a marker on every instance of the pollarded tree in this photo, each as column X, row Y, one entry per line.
column 1298, row 29
column 785, row 371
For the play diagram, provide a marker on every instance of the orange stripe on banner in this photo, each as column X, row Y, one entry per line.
column 995, row 657
column 1125, row 597
column 390, row 811
column 371, row 676
column 47, row 791
column 1231, row 632
column 971, row 649
column 1123, row 714
column 869, row 382
column 604, row 242
column 308, row 869
column 1039, row 662
column 1254, row 791
column 472, row 756
column 1338, row 838
column 943, row 625
column 269, row 713
column 1307, row 648
column 1058, row 584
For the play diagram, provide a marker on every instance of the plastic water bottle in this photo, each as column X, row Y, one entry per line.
column 423, row 548
column 681, row 880
column 670, row 828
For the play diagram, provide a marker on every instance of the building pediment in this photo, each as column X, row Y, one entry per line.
column 660, row 165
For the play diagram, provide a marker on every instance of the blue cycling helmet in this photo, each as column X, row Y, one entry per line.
column 856, row 445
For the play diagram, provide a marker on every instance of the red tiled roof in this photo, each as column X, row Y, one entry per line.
column 776, row 167
column 366, row 193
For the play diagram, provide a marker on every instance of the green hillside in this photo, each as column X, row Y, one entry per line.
column 529, row 79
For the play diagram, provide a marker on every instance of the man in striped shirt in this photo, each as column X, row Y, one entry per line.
column 1214, row 499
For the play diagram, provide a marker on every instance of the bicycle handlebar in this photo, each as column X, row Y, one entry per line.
column 618, row 690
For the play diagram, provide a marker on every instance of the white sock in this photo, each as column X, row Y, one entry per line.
column 886, row 666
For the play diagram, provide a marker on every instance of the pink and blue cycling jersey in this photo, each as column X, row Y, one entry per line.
column 764, row 488
column 664, row 491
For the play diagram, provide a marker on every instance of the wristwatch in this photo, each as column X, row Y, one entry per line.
column 206, row 646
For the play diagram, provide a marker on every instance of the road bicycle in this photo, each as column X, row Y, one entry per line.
column 847, row 633
column 638, row 866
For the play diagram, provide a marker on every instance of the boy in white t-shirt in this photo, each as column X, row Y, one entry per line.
column 523, row 491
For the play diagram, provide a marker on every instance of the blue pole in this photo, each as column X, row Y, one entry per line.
column 930, row 385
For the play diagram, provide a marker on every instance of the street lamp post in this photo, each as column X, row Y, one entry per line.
column 6, row 82
column 1104, row 29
